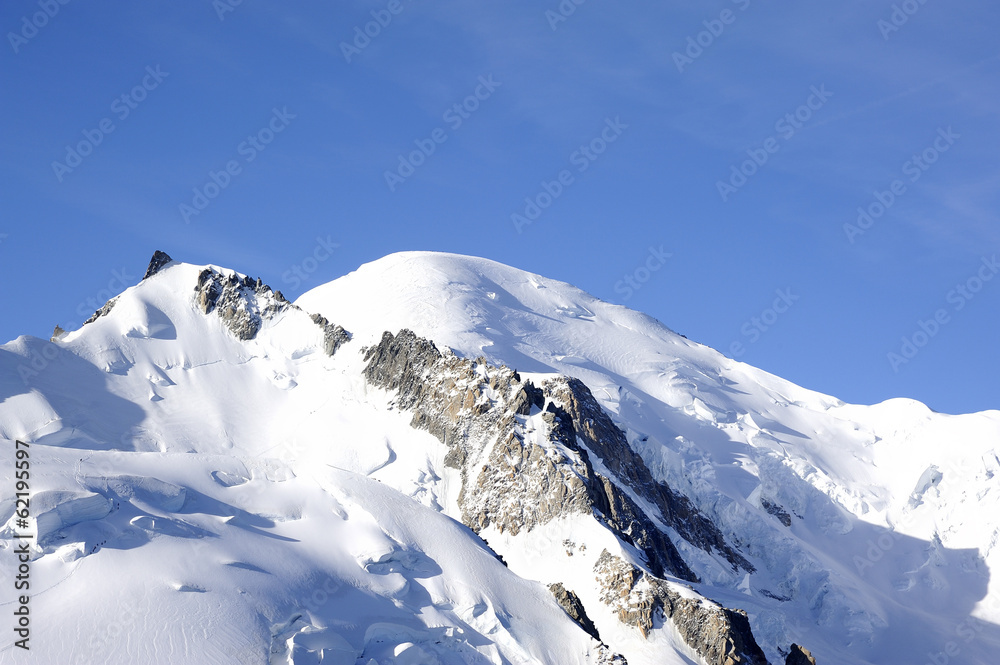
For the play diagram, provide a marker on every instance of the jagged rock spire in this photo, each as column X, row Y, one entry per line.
column 159, row 260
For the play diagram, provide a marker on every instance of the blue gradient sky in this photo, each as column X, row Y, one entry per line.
column 72, row 237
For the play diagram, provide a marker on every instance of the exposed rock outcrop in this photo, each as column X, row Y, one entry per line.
column 799, row 656
column 570, row 602
column 244, row 303
column 235, row 300
column 509, row 479
column 103, row 311
column 524, row 454
column 599, row 433
column 157, row 263
column 777, row 511
column 333, row 335
column 720, row 635
column 618, row 509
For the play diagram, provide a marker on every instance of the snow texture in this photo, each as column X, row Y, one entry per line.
column 215, row 487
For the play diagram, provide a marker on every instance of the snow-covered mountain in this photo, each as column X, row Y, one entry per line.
column 441, row 459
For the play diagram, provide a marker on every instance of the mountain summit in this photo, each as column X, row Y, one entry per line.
column 443, row 459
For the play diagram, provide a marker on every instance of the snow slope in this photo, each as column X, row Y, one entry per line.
column 200, row 498
column 893, row 508
column 206, row 500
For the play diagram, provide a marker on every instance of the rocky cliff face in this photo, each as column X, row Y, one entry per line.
column 570, row 602
column 241, row 303
column 333, row 335
column 719, row 635
column 525, row 457
column 512, row 477
column 600, row 435
column 244, row 303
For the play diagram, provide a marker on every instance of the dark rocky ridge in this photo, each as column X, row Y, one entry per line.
column 570, row 602
column 103, row 311
column 776, row 510
column 620, row 511
column 507, row 480
column 244, row 303
column 237, row 301
column 599, row 433
column 334, row 336
column 721, row 636
column 157, row 263
column 478, row 410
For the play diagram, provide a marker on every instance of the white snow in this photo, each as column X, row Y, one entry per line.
column 203, row 499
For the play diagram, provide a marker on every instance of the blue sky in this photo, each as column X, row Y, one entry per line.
column 627, row 125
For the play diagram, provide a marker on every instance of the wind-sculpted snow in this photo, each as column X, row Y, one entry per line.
column 201, row 495
column 829, row 502
column 220, row 476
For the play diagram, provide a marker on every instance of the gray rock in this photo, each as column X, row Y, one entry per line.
column 570, row 602
column 103, row 311
column 602, row 437
column 776, row 510
column 513, row 483
column 720, row 635
column 616, row 507
column 508, row 481
column 401, row 363
column 157, row 263
column 799, row 656
column 243, row 303
column 333, row 335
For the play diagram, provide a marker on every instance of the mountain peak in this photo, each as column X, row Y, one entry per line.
column 157, row 263
column 585, row 443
